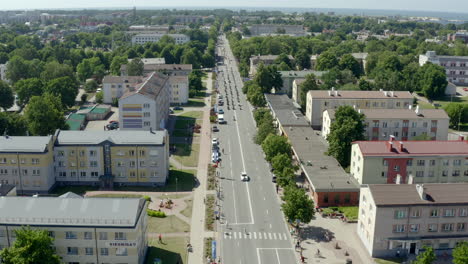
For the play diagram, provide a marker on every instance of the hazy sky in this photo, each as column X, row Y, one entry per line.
column 430, row 5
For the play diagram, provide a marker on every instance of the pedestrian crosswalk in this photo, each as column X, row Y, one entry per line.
column 255, row 235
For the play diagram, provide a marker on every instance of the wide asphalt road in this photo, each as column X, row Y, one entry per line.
column 253, row 229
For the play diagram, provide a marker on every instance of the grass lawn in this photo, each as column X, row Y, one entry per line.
column 169, row 224
column 195, row 102
column 80, row 190
column 351, row 212
column 443, row 101
column 192, row 114
column 389, row 261
column 209, row 213
column 184, row 123
column 187, row 154
column 181, row 133
column 185, row 183
column 188, row 210
column 173, row 250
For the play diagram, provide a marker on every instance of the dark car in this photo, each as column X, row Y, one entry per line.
column 178, row 108
column 112, row 126
column 215, row 129
column 273, row 179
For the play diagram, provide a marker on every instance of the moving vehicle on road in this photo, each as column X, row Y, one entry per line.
column 214, row 141
column 273, row 179
column 244, row 176
column 220, row 111
column 215, row 129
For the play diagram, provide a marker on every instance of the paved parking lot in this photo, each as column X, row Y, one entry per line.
column 100, row 124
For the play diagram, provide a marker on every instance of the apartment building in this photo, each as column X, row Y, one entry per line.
column 113, row 87
column 402, row 124
column 266, row 60
column 85, row 230
column 146, row 107
column 455, row 66
column 393, row 161
column 461, row 35
column 141, row 39
column 179, row 89
column 275, row 29
column 168, row 69
column 3, row 69
column 27, row 163
column 296, row 90
column 319, row 100
column 402, row 219
column 288, row 78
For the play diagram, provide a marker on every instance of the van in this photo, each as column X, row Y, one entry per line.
column 221, row 119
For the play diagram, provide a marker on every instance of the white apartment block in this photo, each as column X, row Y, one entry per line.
column 455, row 66
column 85, row 230
column 179, row 89
column 3, row 68
column 141, row 39
column 167, row 69
column 402, row 219
column 393, row 161
column 319, row 100
column 114, row 87
column 402, row 124
column 296, row 90
column 146, row 107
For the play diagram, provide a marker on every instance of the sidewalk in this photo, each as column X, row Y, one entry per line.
column 197, row 230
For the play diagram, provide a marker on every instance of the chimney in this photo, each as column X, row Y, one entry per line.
column 329, row 93
column 421, row 191
column 392, row 94
column 392, row 138
column 398, row 179
column 389, row 145
column 417, row 110
column 410, row 179
column 385, row 93
column 333, row 89
column 401, row 146
column 336, row 93
column 354, row 107
column 381, row 90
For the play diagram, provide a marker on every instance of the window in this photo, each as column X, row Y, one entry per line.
column 51, row 234
column 414, row 228
column 419, row 173
column 132, row 174
column 146, row 114
column 405, row 123
column 414, row 124
column 146, row 123
column 432, row 163
column 62, row 174
column 396, row 168
column 142, row 174
column 376, row 123
column 449, row 212
column 72, row 251
column 399, row 214
column 433, row 123
column 89, row 251
column 337, row 198
column 3, row 160
column 430, row 173
column 82, row 153
column 325, row 198
column 347, row 198
column 72, row 164
column 444, row 173
column 385, row 162
column 146, row 105
column 120, row 164
column 83, row 174
column 421, row 162
column 142, row 163
column 443, row 245
column 88, row 235
column 104, row 252
column 466, row 173
column 153, row 153
column 425, row 124
column 384, row 174
column 121, row 252
column 72, row 153
column 94, row 174
column 142, row 153
column 434, row 213
column 23, row 161
column 154, row 174
column 447, row 227
column 461, row 227
column 35, row 161
column 70, row 235
column 416, row 213
column 131, row 153
column 384, row 124
column 102, row 236
column 61, row 163
column 82, row 164
column 456, row 162
column 120, row 236
column 409, row 163
column 456, row 173
column 92, row 153
column 445, row 162
column 397, row 125
column 463, row 212
column 399, row 228
column 132, row 164
column 432, row 228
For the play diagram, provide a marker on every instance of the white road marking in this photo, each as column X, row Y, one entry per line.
column 269, row 235
column 264, row 198
column 274, row 236
column 264, row 235
column 240, row 235
column 259, row 235
column 270, row 226
column 267, row 211
column 235, row 235
column 255, row 235
column 277, row 256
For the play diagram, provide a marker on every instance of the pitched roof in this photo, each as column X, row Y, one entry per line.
column 121, row 79
column 407, row 194
column 150, row 87
column 24, row 143
column 103, row 212
column 322, row 94
column 414, row 148
column 399, row 113
column 119, row 137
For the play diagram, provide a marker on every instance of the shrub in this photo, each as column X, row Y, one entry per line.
column 327, row 211
column 147, row 198
column 153, row 213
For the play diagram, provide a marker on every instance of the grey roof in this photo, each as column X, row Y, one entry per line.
column 310, row 149
column 285, row 111
column 300, row 74
column 399, row 113
column 118, row 137
column 162, row 67
column 121, row 79
column 150, row 87
column 53, row 211
column 24, row 144
column 346, row 94
column 360, row 55
column 6, row 188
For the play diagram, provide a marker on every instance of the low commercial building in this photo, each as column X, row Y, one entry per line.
column 455, row 66
column 402, row 219
column 266, row 60
column 141, row 39
column 146, row 106
column 113, row 87
column 85, row 230
column 402, row 124
column 168, row 69
column 319, row 100
column 393, row 161
column 288, row 78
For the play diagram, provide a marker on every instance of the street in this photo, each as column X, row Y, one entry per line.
column 252, row 226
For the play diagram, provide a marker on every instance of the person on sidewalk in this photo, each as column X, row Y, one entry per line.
column 160, row 238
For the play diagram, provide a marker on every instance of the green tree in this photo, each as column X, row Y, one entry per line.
column 195, row 80
column 284, row 58
column 83, row 98
column 44, row 114
column 347, row 128
column 255, row 96
column 27, row 88
column 7, row 98
column 54, row 70
column 18, row 68
column 326, row 61
column 90, row 86
column 12, row 124
column 116, row 63
column 433, row 80
column 427, row 256
column 64, row 87
column 458, row 113
column 309, row 84
column 264, row 130
column 298, row 205
column 365, row 85
column 285, row 177
column 303, row 60
column 268, row 77
column 99, row 97
column 30, row 247
column 135, row 67
column 460, row 253
column 84, row 70
column 274, row 145
column 281, row 161
column 348, row 62
column 261, row 115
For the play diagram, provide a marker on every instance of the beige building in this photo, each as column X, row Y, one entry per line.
column 392, row 161
column 141, row 39
column 85, row 230
column 401, row 219
column 455, row 66
column 289, row 77
column 319, row 100
column 179, row 89
column 113, row 87
column 403, row 124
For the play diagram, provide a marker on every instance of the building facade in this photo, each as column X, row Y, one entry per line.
column 167, row 69
column 3, row 68
column 461, row 35
column 402, row 219
column 318, row 101
column 179, row 89
column 85, row 230
column 113, row 87
column 273, row 29
column 146, row 107
column 393, row 161
column 288, row 78
column 455, row 66
column 141, row 39
column 402, row 124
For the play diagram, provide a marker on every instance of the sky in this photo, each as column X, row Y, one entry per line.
column 426, row 5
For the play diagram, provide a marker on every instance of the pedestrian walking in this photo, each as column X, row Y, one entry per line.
column 160, row 238
column 302, row 259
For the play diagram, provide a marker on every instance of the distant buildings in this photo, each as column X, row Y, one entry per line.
column 114, row 87
column 91, row 230
column 459, row 35
column 179, row 89
column 146, row 106
column 105, row 158
column 402, row 219
column 255, row 61
column 403, row 124
column 394, row 161
column 3, row 68
column 274, row 29
column 289, row 77
column 168, row 69
column 318, row 101
column 455, row 66
column 141, row 39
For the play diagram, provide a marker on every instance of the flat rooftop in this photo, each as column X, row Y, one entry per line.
column 324, row 172
column 399, row 113
column 285, row 111
column 62, row 211
column 118, row 137
column 339, row 94
column 24, row 143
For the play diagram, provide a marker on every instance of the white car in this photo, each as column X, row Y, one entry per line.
column 214, row 141
column 215, row 157
column 244, row 177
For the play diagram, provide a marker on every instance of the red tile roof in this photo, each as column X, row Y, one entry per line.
column 413, row 148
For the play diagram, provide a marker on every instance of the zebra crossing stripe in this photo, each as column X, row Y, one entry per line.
column 274, row 236
column 235, row 235
column 285, row 236
column 240, row 235
column 265, row 235
column 245, row 235
column 269, row 235
column 260, row 235
column 255, row 235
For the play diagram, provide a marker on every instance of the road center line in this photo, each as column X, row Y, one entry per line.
column 232, row 183
column 277, row 256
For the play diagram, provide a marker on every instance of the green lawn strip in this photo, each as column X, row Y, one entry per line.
column 172, row 250
column 168, row 224
column 185, row 183
column 182, row 123
column 211, row 181
column 187, row 154
column 191, row 114
column 188, row 210
column 350, row 212
column 207, row 247
column 196, row 102
column 209, row 212
column 389, row 260
column 181, row 133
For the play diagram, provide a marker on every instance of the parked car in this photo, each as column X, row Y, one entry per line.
column 215, row 129
column 113, row 121
column 178, row 108
column 171, row 111
column 220, row 111
column 215, row 157
column 214, row 141
column 465, row 89
column 273, row 179
column 244, row 177
column 220, row 103
column 112, row 126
